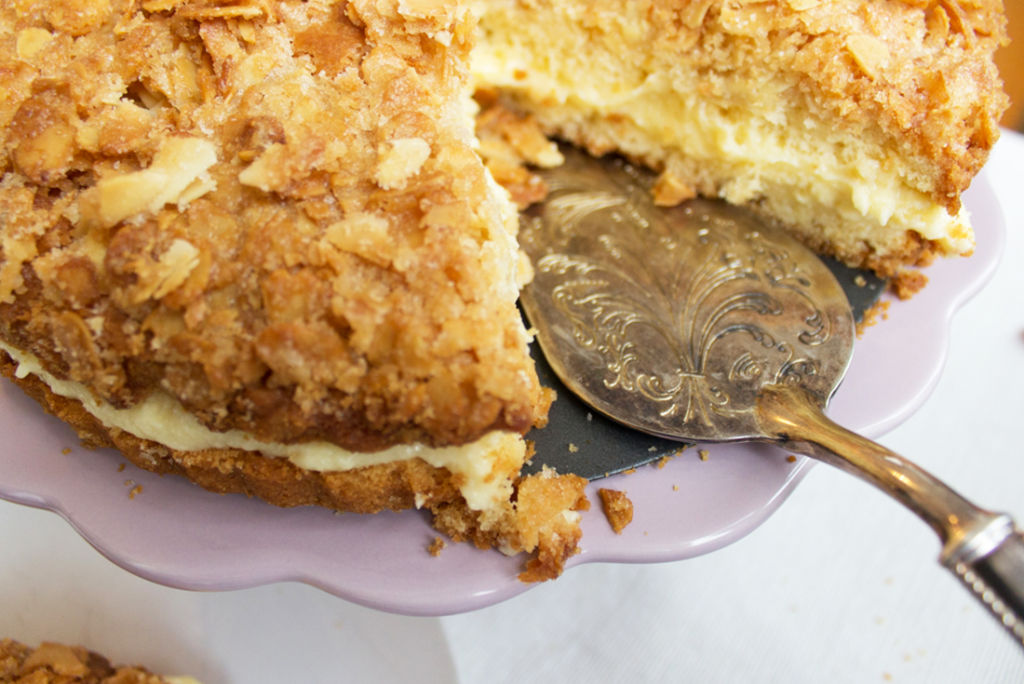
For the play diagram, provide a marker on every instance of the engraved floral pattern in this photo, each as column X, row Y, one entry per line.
column 690, row 320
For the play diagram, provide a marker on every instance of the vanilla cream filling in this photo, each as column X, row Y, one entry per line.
column 160, row 418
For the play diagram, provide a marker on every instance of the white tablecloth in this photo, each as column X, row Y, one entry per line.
column 840, row 585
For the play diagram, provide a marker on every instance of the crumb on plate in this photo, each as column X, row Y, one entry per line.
column 618, row 509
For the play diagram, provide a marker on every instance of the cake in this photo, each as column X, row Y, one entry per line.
column 254, row 242
column 56, row 663
column 855, row 124
column 617, row 507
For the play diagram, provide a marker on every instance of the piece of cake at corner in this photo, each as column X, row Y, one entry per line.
column 56, row 663
column 856, row 123
column 252, row 243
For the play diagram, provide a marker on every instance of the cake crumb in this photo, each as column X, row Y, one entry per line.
column 135, row 490
column 703, row 454
column 573, row 448
column 878, row 311
column 675, row 488
column 907, row 283
column 121, row 467
column 547, row 520
column 66, row 450
column 436, row 547
column 509, row 143
column 791, row 458
column 618, row 509
column 662, row 462
column 670, row 190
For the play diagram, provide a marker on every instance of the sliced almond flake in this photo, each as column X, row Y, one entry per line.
column 418, row 9
column 205, row 10
column 400, row 160
column 170, row 179
column 958, row 20
column 938, row 24
column 31, row 41
column 247, row 31
column 694, row 13
column 17, row 250
column 744, row 17
column 365, row 235
column 161, row 5
column 231, row 12
column 870, row 53
column 174, row 267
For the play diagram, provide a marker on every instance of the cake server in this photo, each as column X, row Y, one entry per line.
column 705, row 323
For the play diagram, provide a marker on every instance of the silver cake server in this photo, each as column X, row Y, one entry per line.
column 704, row 323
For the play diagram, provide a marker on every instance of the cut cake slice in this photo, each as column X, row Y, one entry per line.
column 252, row 243
column 855, row 123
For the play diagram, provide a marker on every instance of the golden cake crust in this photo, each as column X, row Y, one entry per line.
column 56, row 663
column 271, row 211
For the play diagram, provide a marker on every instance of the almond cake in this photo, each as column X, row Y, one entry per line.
column 253, row 242
column 856, row 124
column 56, row 663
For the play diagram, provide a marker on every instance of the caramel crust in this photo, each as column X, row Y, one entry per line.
column 271, row 211
column 56, row 663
